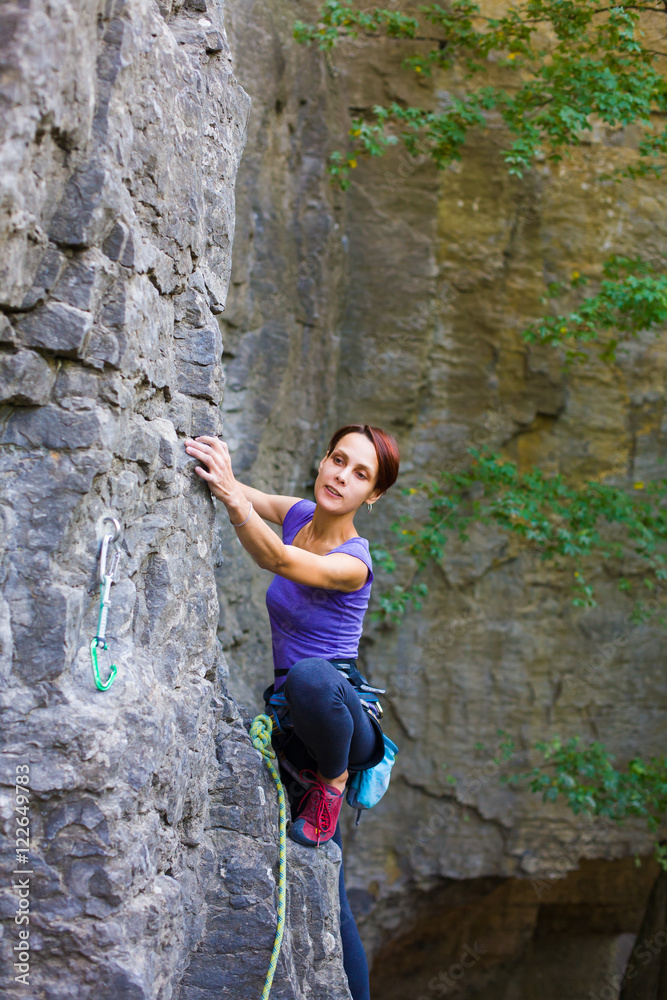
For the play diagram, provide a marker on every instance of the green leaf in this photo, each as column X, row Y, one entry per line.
column 561, row 67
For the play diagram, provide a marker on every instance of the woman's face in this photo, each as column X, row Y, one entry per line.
column 346, row 476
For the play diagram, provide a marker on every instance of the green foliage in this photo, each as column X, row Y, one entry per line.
column 566, row 63
column 559, row 66
column 505, row 749
column 591, row 784
column 632, row 298
column 337, row 18
column 394, row 603
column 570, row 526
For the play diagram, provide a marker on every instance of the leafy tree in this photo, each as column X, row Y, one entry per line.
column 590, row 784
column 568, row 525
column 631, row 298
column 559, row 66
column 564, row 63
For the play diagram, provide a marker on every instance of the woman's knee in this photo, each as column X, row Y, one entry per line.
column 311, row 679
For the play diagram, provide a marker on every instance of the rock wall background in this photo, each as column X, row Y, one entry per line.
column 404, row 307
column 152, row 821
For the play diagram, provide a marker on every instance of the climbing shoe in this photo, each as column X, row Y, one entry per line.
column 321, row 805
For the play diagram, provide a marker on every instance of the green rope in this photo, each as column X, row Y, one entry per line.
column 260, row 734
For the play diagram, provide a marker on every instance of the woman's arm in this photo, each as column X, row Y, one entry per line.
column 271, row 506
column 336, row 571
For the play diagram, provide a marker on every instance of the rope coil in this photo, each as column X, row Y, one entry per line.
column 260, row 734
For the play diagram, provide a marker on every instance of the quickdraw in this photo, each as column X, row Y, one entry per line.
column 106, row 579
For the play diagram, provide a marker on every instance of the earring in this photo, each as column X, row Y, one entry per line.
column 369, row 508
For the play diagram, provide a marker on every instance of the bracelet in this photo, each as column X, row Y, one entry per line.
column 241, row 523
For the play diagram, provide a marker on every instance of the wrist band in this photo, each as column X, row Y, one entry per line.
column 246, row 520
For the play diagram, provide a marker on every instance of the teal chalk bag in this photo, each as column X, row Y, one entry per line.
column 366, row 788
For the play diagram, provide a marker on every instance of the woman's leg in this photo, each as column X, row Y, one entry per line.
column 354, row 956
column 328, row 716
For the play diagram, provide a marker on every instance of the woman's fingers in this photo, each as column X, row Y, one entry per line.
column 205, row 454
column 213, row 442
column 203, row 473
column 199, row 450
column 208, row 452
column 209, row 443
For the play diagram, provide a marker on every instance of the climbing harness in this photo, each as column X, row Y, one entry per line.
column 277, row 708
column 260, row 734
column 106, row 579
column 368, row 695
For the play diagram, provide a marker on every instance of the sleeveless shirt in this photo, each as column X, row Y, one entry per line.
column 314, row 621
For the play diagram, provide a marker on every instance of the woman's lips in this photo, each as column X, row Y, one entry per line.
column 333, row 494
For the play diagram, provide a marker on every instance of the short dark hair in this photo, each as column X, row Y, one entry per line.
column 386, row 449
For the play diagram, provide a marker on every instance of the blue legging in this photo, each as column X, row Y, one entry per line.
column 328, row 717
column 354, row 956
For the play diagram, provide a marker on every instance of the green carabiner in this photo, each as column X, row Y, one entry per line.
column 102, row 685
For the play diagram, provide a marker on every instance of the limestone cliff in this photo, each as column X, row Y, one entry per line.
column 152, row 822
column 401, row 302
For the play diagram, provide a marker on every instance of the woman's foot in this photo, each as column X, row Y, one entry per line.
column 317, row 821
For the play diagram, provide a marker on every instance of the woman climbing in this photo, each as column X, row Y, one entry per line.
column 316, row 604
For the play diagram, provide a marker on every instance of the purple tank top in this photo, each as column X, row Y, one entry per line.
column 312, row 621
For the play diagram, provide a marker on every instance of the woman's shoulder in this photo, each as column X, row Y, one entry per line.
column 299, row 514
column 301, row 508
column 360, row 548
column 358, row 539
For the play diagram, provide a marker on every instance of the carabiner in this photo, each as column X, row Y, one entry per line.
column 105, row 549
column 102, row 685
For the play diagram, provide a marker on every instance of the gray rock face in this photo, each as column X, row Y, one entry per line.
column 151, row 820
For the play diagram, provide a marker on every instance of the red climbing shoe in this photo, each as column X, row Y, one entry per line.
column 316, row 823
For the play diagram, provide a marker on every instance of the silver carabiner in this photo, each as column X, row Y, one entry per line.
column 104, row 551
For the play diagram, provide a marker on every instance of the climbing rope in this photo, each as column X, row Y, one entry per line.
column 260, row 734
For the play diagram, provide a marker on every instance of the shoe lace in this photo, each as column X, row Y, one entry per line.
column 319, row 806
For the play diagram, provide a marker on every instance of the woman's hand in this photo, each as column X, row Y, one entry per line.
column 218, row 473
